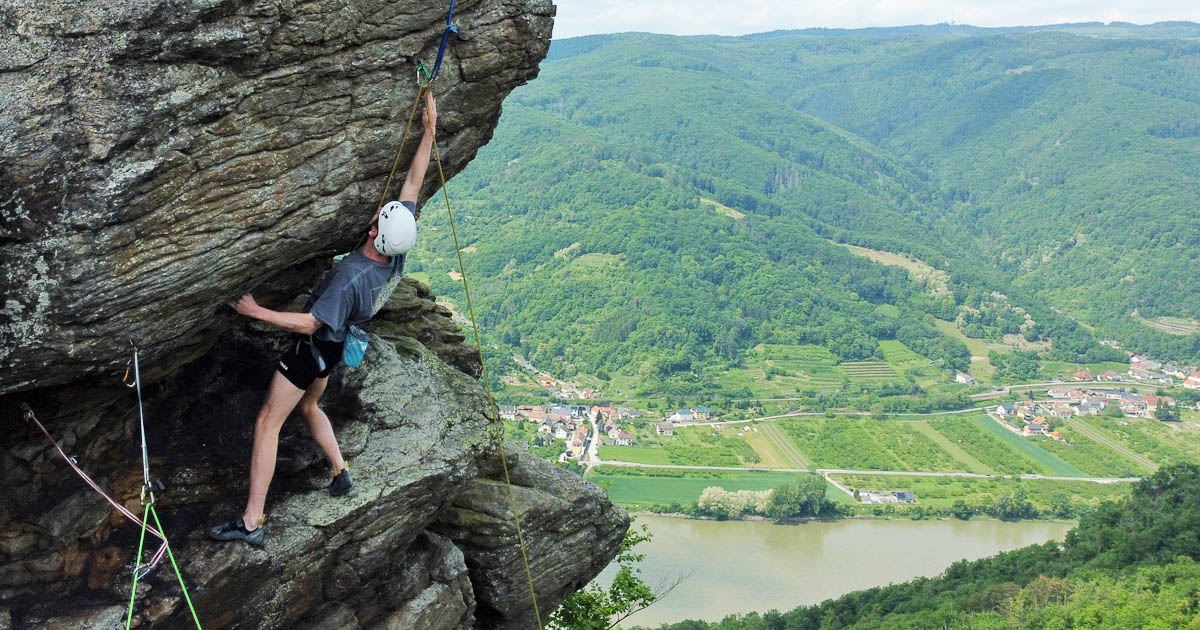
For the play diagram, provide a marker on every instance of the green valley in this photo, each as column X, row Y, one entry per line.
column 839, row 238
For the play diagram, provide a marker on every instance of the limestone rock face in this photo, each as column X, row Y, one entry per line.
column 161, row 157
column 412, row 312
column 418, row 438
column 414, row 429
column 563, row 520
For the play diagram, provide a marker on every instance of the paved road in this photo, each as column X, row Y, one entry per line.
column 895, row 473
column 801, row 414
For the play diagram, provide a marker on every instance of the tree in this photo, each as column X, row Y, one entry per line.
column 1014, row 506
column 1060, row 505
column 593, row 608
column 804, row 498
column 1165, row 413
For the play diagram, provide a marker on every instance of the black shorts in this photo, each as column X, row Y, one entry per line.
column 308, row 359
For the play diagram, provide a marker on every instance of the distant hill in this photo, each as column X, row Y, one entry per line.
column 654, row 203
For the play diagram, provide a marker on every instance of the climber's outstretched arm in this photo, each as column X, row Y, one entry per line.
column 420, row 162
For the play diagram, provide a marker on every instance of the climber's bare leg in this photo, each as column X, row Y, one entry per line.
column 282, row 397
column 319, row 426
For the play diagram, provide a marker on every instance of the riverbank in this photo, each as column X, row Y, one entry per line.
column 818, row 519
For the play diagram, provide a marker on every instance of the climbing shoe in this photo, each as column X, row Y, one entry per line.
column 236, row 530
column 341, row 484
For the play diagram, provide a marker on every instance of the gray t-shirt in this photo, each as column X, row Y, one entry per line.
column 353, row 291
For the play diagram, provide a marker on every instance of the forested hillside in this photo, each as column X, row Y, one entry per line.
column 652, row 204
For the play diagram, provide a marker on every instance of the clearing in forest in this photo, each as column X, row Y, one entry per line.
column 936, row 280
column 1172, row 325
column 722, row 208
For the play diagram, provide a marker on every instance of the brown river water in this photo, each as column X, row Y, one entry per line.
column 744, row 566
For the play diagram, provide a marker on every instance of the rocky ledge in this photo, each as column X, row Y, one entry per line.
column 160, row 157
column 426, row 540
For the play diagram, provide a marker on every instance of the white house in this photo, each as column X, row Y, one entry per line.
column 964, row 378
column 682, row 415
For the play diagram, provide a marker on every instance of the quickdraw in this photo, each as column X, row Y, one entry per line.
column 450, row 28
column 140, row 569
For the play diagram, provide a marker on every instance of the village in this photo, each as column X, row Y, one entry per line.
column 1040, row 418
column 580, row 425
column 584, row 428
column 1142, row 370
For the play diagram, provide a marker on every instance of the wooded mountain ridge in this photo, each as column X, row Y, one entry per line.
column 652, row 203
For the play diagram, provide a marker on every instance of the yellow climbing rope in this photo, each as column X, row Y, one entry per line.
column 499, row 430
column 488, row 388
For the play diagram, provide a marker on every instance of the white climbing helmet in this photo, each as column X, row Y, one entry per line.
column 397, row 230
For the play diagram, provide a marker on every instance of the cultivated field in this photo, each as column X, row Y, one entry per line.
column 942, row 492
column 640, row 488
column 993, row 451
column 864, row 444
column 869, row 371
column 1090, row 456
column 1163, row 443
column 780, row 371
column 1025, row 446
column 896, row 353
column 635, row 455
column 691, row 446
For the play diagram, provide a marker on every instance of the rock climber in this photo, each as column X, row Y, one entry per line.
column 350, row 293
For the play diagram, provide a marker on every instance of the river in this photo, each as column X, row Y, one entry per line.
column 744, row 566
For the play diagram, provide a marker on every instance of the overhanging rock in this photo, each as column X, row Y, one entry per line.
column 160, row 157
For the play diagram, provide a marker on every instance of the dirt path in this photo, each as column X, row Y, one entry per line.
column 963, row 457
column 1099, row 436
column 771, row 457
column 784, row 445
